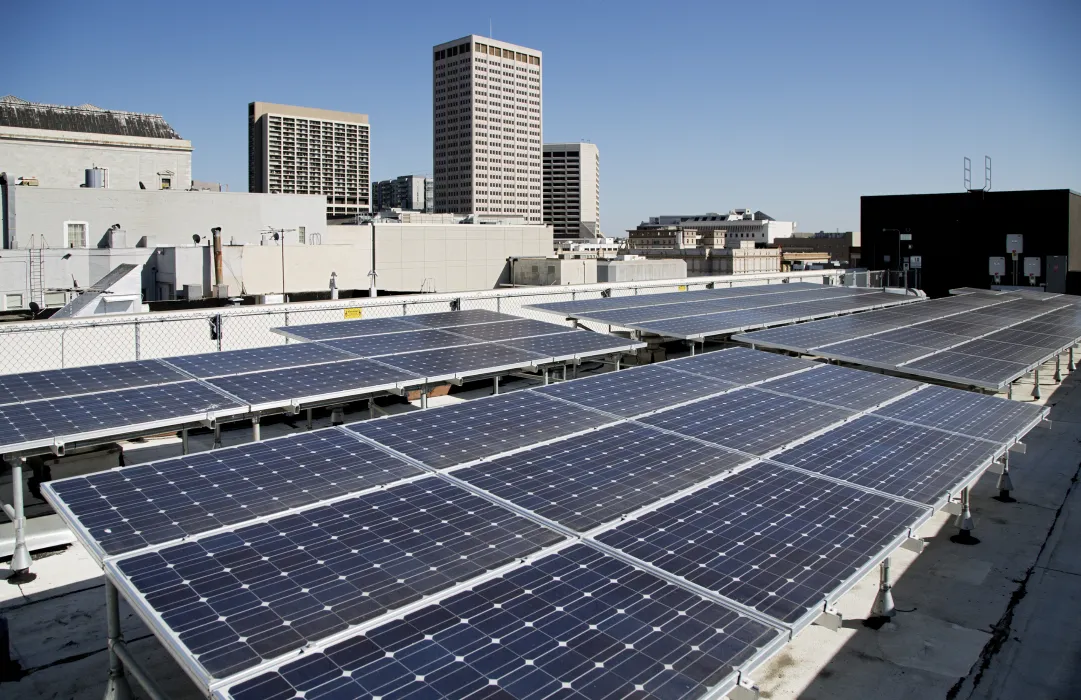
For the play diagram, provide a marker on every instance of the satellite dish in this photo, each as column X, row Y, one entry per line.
column 195, row 237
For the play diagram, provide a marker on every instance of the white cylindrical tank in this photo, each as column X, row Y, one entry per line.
column 95, row 177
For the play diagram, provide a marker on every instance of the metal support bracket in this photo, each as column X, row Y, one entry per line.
column 914, row 544
column 952, row 508
column 745, row 690
column 1019, row 447
column 830, row 619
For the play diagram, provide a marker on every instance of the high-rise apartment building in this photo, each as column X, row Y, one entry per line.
column 302, row 150
column 408, row 192
column 572, row 195
column 487, row 128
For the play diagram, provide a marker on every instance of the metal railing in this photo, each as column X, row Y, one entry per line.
column 43, row 345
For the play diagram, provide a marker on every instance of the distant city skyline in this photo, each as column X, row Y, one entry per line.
column 788, row 108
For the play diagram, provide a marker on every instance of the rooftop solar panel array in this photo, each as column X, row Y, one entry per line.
column 976, row 339
column 540, row 541
column 349, row 359
column 710, row 312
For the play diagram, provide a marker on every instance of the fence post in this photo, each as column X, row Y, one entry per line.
column 138, row 341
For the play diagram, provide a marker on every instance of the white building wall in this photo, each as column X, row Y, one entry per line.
column 59, row 159
column 166, row 218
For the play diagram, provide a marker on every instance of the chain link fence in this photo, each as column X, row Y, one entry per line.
column 43, row 345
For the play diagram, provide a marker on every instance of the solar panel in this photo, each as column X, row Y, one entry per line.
column 571, row 308
column 813, row 334
column 131, row 508
column 708, row 305
column 453, row 319
column 968, row 369
column 740, row 365
column 574, row 624
column 1020, row 336
column 985, row 417
column 917, row 463
column 873, row 351
column 1011, row 352
column 449, row 363
column 31, row 386
column 917, row 335
column 574, row 345
column 395, row 343
column 692, row 327
column 749, row 420
column 237, row 599
column 40, row 423
column 451, row 435
column 220, row 364
column 307, row 383
column 591, row 479
column 775, row 540
column 346, row 329
column 636, row 391
column 506, row 330
column 838, row 386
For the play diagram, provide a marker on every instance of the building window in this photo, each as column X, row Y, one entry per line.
column 166, row 182
column 75, row 234
column 300, row 235
column 13, row 301
column 54, row 299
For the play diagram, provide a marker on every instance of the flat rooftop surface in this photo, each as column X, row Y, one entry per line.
column 995, row 620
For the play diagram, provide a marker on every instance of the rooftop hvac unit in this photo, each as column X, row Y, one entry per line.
column 95, row 177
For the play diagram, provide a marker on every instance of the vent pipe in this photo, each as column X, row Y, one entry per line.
column 215, row 236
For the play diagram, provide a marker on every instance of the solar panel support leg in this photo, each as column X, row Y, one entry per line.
column 256, row 429
column 1071, row 366
column 691, row 343
column 308, row 419
column 1036, row 383
column 545, row 371
column 574, row 369
column 117, row 688
column 495, row 386
column 217, row 435
column 1058, row 368
column 424, row 393
column 618, row 358
column 337, row 416
column 1009, row 391
column 184, row 441
column 883, row 609
column 964, row 522
column 20, row 557
column 1005, row 483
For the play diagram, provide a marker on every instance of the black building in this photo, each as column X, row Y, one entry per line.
column 956, row 234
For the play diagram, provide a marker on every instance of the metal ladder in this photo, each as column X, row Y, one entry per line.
column 37, row 270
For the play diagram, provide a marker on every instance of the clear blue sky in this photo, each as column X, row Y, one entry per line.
column 794, row 108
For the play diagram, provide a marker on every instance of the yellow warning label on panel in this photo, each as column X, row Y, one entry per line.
column 354, row 312
column 682, row 287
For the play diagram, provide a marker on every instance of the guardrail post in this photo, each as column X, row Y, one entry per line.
column 20, row 557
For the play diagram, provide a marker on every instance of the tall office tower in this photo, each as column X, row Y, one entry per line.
column 572, row 190
column 487, row 128
column 301, row 150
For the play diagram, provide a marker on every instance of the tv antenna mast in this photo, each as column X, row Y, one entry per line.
column 986, row 175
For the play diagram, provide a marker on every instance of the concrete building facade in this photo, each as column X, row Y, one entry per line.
column 662, row 237
column 572, row 200
column 487, row 128
column 302, row 150
column 54, row 145
column 407, row 192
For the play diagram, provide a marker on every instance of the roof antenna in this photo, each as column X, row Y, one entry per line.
column 986, row 175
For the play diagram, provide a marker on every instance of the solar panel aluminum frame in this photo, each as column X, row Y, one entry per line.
column 780, row 322
column 184, row 659
column 87, row 540
column 576, row 358
column 481, row 373
column 295, row 405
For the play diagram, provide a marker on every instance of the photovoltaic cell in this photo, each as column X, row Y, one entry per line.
column 981, row 371
column 453, row 319
column 1009, row 352
column 112, row 413
column 874, row 351
column 591, row 479
column 347, row 329
column 240, row 598
column 749, row 420
column 958, row 411
column 507, row 330
column 149, row 504
column 636, row 391
column 312, row 381
column 451, row 435
column 921, row 464
column 575, row 624
column 740, row 365
column 32, row 386
column 219, row 364
column 838, row 386
column 395, row 343
column 448, row 363
column 576, row 344
column 772, row 539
